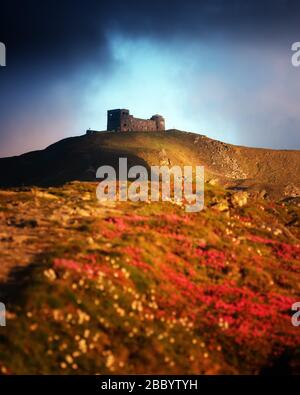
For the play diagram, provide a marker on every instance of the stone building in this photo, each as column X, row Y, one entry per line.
column 121, row 121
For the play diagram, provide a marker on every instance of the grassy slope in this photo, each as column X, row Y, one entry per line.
column 78, row 158
column 147, row 288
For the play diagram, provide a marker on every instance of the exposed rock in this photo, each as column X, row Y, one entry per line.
column 263, row 194
column 239, row 199
column 22, row 223
column 163, row 158
column 221, row 206
column 291, row 190
column 44, row 195
column 50, row 274
column 213, row 181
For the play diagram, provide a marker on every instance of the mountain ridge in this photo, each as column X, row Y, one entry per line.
column 76, row 158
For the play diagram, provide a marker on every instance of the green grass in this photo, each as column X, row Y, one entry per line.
column 148, row 288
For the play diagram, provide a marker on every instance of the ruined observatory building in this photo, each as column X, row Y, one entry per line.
column 121, row 121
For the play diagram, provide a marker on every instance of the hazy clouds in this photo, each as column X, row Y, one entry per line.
column 216, row 67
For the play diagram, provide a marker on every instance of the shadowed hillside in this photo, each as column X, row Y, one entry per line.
column 145, row 287
column 77, row 158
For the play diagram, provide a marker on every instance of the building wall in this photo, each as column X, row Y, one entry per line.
column 140, row 125
column 121, row 121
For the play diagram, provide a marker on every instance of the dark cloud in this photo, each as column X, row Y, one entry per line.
column 72, row 29
column 60, row 52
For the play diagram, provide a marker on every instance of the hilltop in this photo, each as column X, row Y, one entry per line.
column 145, row 287
column 276, row 172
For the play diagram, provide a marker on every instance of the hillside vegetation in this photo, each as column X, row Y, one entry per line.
column 273, row 171
column 146, row 287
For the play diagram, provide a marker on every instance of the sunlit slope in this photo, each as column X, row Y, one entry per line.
column 77, row 158
column 145, row 287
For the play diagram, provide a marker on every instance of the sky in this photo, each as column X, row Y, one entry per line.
column 218, row 67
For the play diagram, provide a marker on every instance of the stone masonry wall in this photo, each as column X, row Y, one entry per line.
column 136, row 124
column 120, row 120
